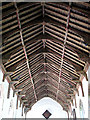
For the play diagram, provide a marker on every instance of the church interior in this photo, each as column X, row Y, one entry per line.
column 45, row 52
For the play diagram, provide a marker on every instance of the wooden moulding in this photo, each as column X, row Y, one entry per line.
column 84, row 75
column 68, row 115
column 17, row 102
column 22, row 108
column 20, row 102
column 72, row 102
column 13, row 93
column 6, row 76
column 4, row 72
column 75, row 103
column 3, row 78
column 78, row 93
column 8, row 94
column 80, row 84
column 82, row 89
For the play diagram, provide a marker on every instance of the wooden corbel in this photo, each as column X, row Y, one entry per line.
column 80, row 84
column 5, row 75
column 83, row 73
column 9, row 86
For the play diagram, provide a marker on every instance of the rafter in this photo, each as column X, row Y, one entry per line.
column 63, row 52
column 25, row 50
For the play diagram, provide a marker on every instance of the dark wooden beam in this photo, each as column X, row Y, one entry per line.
column 57, row 66
column 12, row 68
column 47, row 19
column 50, row 92
column 6, row 56
column 53, row 86
column 49, row 77
column 49, row 81
column 76, row 66
column 7, row 5
column 81, row 54
column 31, row 23
column 74, row 7
column 43, row 94
column 83, row 34
column 20, row 7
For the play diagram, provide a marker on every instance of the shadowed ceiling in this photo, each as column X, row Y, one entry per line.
column 45, row 49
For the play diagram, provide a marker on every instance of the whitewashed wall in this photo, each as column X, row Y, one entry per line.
column 8, row 106
column 49, row 104
column 84, row 112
